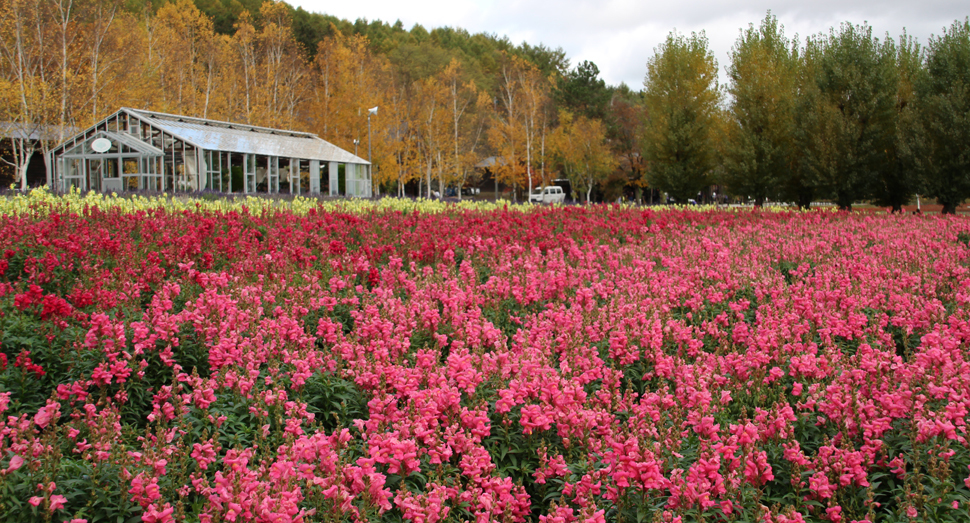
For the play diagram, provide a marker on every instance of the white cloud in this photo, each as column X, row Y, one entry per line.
column 620, row 35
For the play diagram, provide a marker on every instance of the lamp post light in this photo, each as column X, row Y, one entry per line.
column 356, row 143
column 370, row 167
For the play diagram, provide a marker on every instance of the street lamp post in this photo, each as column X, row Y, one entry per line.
column 370, row 167
column 356, row 143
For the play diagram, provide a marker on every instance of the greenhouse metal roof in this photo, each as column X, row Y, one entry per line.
column 240, row 138
column 81, row 150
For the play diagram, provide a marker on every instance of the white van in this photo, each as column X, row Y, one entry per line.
column 551, row 194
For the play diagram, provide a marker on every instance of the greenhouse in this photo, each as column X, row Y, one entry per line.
column 150, row 151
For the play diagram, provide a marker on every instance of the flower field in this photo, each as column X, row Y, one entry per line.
column 298, row 362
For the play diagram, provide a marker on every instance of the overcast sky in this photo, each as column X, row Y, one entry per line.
column 620, row 35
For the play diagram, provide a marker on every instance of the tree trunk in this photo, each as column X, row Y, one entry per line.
column 429, row 176
column 22, row 168
column 64, row 10
column 542, row 158
column 949, row 208
column 528, row 154
column 844, row 202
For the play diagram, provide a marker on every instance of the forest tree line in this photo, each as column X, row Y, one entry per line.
column 447, row 99
column 843, row 116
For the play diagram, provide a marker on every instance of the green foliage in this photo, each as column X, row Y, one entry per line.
column 943, row 98
column 581, row 91
column 502, row 314
column 857, row 83
column 759, row 150
column 898, row 180
column 549, row 61
column 814, row 135
column 225, row 13
column 417, row 61
column 310, row 28
column 95, row 493
column 963, row 238
column 50, row 348
column 334, row 401
column 340, row 314
column 517, row 455
column 683, row 116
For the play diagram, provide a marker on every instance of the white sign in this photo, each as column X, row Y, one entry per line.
column 101, row 145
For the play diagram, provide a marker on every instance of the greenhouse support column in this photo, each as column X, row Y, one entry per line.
column 49, row 164
column 350, row 179
column 246, row 173
column 58, row 174
column 273, row 174
column 314, row 176
column 334, row 172
column 370, row 180
column 201, row 170
column 175, row 171
column 206, row 162
column 184, row 182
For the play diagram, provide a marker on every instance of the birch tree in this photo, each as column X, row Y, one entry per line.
column 467, row 124
column 24, row 41
column 505, row 131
